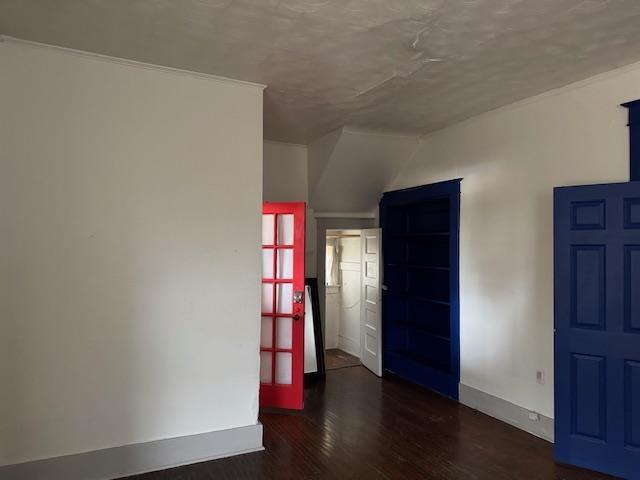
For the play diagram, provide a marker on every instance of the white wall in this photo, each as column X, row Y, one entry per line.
column 349, row 331
column 285, row 172
column 129, row 269
column 332, row 317
column 349, row 168
column 510, row 160
column 285, row 179
column 342, row 323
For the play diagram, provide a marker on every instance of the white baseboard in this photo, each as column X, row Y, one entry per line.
column 350, row 346
column 507, row 412
column 141, row 457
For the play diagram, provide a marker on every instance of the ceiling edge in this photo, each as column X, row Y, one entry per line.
column 284, row 144
column 380, row 133
column 130, row 63
column 612, row 71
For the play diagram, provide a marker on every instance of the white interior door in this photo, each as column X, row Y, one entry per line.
column 371, row 309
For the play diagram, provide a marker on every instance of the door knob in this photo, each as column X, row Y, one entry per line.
column 296, row 317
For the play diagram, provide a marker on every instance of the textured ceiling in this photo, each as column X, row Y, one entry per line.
column 395, row 65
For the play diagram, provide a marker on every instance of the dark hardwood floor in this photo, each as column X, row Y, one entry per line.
column 357, row 426
column 335, row 358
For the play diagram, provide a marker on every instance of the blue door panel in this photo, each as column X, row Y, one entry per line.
column 588, row 215
column 632, row 212
column 632, row 404
column 588, row 396
column 420, row 238
column 588, row 286
column 632, row 288
column 597, row 327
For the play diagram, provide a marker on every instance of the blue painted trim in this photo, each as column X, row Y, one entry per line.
column 634, row 139
column 445, row 383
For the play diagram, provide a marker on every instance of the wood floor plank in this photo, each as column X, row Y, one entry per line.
column 335, row 358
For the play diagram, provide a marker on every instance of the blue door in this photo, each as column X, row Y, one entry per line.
column 420, row 319
column 597, row 322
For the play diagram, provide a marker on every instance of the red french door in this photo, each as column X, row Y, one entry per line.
column 282, row 322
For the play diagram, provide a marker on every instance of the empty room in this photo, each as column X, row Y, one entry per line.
column 319, row 239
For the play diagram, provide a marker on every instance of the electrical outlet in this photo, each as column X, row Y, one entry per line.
column 540, row 377
column 534, row 416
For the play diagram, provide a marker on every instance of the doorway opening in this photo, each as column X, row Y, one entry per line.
column 343, row 267
column 353, row 308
